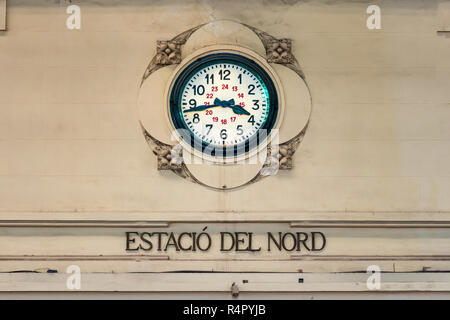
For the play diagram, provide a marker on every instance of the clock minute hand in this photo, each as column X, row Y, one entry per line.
column 217, row 103
column 237, row 109
column 201, row 108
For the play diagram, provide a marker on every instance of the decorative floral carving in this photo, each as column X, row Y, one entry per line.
column 273, row 54
column 279, row 51
column 282, row 160
column 169, row 157
column 168, row 52
column 285, row 158
column 179, row 40
column 166, row 159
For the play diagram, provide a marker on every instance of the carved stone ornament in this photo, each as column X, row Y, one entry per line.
column 287, row 150
column 168, row 52
column 279, row 51
column 280, row 157
column 161, row 58
column 170, row 157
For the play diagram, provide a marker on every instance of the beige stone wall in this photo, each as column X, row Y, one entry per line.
column 2, row 15
column 379, row 132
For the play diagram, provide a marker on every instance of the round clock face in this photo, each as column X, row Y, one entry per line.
column 224, row 104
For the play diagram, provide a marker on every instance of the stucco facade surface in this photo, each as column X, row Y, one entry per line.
column 372, row 171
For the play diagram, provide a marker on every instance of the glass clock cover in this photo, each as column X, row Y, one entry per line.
column 223, row 104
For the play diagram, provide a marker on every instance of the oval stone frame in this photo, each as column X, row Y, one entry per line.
column 224, row 36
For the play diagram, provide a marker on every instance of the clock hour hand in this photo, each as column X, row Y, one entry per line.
column 223, row 103
column 201, row 108
column 237, row 109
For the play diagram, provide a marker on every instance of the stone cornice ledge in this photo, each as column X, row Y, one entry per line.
column 296, row 219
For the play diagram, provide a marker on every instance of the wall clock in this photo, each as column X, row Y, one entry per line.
column 225, row 104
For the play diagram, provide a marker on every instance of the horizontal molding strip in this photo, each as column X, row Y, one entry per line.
column 370, row 224
column 289, row 216
column 83, row 257
column 166, row 257
column 371, row 258
column 84, row 223
column 221, row 282
column 81, row 224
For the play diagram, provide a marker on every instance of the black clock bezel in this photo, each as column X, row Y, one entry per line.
column 215, row 150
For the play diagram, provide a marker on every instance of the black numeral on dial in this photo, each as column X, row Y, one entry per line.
column 224, row 74
column 199, row 90
column 223, row 134
column 255, row 104
column 209, row 126
column 251, row 88
column 196, row 118
column 209, row 78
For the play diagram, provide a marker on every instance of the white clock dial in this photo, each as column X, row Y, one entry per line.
column 225, row 103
